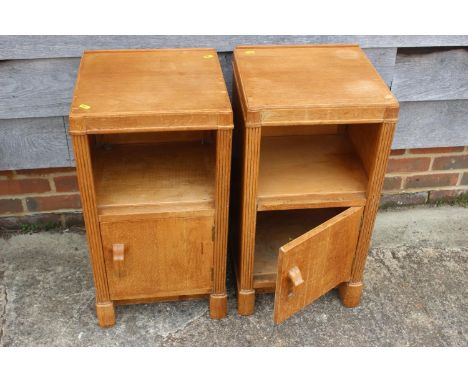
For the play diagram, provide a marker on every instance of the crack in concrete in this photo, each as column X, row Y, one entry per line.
column 184, row 325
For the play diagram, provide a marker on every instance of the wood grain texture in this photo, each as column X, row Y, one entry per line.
column 323, row 256
column 36, row 88
column 298, row 171
column 277, row 228
column 245, row 301
column 251, row 149
column 146, row 90
column 88, row 202
column 163, row 257
column 27, row 47
column 374, row 189
column 105, row 312
column 309, row 84
column 222, row 183
column 151, row 300
column 33, row 143
column 383, row 60
column 350, row 293
column 218, row 306
column 432, row 124
column 365, row 141
column 163, row 177
column 161, row 195
column 431, row 74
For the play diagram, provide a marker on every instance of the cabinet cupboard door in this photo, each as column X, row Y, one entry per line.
column 158, row 257
column 315, row 262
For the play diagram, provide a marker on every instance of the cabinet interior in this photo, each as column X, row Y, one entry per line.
column 277, row 228
column 162, row 172
column 313, row 166
column 307, row 175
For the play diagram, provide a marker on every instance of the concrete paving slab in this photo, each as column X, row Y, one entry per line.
column 416, row 294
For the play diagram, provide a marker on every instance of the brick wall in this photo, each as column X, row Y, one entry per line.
column 414, row 176
column 39, row 196
column 417, row 176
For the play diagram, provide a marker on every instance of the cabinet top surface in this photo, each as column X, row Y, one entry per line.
column 309, row 77
column 116, row 83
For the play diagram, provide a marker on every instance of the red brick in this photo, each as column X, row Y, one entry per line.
column 45, row 171
column 408, row 164
column 464, row 181
column 397, row 152
column 23, row 186
column 450, row 163
column 445, row 195
column 66, row 183
column 437, row 150
column 10, row 206
column 8, row 174
column 392, row 183
column 431, row 180
column 51, row 203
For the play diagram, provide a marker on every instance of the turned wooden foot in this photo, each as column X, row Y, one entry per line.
column 246, row 302
column 218, row 306
column 350, row 293
column 105, row 312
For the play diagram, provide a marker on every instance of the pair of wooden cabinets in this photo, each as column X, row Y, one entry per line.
column 152, row 133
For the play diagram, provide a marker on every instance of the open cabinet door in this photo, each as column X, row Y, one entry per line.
column 315, row 262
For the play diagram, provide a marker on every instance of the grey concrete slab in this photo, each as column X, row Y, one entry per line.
column 416, row 294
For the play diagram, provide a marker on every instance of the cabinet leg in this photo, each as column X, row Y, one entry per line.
column 246, row 302
column 350, row 293
column 105, row 312
column 218, row 306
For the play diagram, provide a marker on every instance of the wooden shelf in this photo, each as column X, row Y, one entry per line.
column 156, row 178
column 277, row 228
column 309, row 172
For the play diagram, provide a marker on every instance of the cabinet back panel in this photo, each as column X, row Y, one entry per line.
column 158, row 137
column 274, row 131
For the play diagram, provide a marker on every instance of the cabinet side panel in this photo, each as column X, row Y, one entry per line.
column 364, row 139
column 376, row 178
column 252, row 137
column 88, row 202
column 223, row 167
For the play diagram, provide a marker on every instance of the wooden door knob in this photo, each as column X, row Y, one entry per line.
column 295, row 276
column 118, row 259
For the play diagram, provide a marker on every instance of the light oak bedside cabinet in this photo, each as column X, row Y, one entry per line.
column 151, row 133
column 314, row 125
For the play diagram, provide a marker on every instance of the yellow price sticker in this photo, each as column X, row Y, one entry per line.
column 249, row 52
column 84, row 106
column 208, row 56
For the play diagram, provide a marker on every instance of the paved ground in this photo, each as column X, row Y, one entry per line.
column 416, row 294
